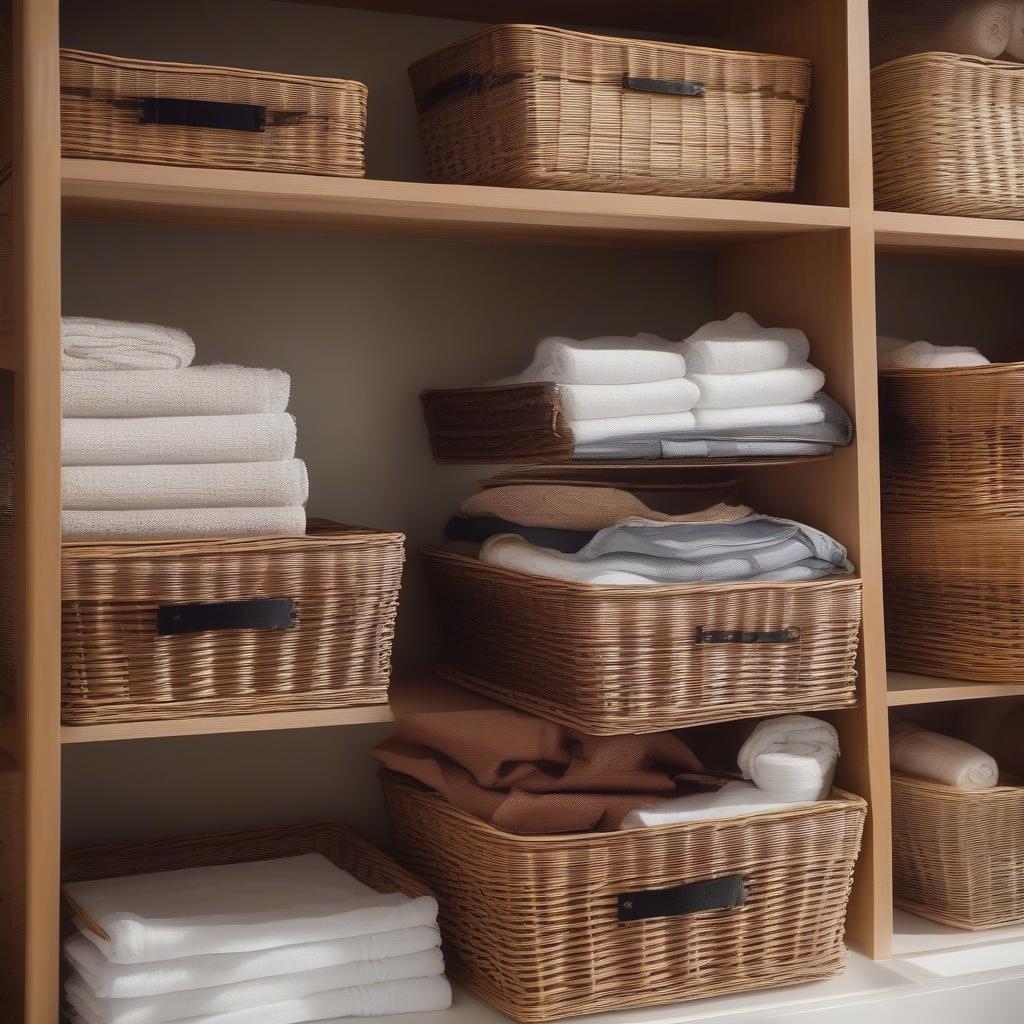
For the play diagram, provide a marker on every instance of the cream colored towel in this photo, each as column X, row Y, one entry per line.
column 979, row 28
column 924, row 355
column 793, row 757
column 149, row 524
column 1015, row 47
column 741, row 345
column 788, row 386
column 938, row 758
column 87, row 343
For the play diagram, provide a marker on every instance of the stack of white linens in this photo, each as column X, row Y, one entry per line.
column 268, row 942
column 900, row 354
column 153, row 446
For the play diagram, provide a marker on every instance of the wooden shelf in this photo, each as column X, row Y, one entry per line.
column 924, row 234
column 225, row 724
column 905, row 689
column 108, row 190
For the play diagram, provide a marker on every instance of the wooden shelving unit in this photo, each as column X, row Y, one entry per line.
column 906, row 689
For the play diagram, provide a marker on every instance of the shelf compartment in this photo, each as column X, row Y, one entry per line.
column 931, row 234
column 905, row 689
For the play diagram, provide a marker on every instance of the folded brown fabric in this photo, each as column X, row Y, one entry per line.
column 530, row 776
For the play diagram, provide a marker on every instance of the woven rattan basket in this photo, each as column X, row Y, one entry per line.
column 545, row 927
column 947, row 135
column 533, row 107
column 613, row 659
column 147, row 111
column 958, row 858
column 173, row 629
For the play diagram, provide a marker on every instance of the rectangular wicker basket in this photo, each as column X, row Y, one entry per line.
column 542, row 927
column 145, row 111
column 176, row 629
column 634, row 659
column 535, row 107
column 958, row 858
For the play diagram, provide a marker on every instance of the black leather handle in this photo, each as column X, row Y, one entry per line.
column 674, row 87
column 236, row 117
column 692, row 898
column 259, row 613
column 788, row 635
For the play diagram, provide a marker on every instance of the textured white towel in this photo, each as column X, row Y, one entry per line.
column 924, row 355
column 741, row 345
column 788, row 386
column 754, row 416
column 195, row 391
column 608, row 401
column 733, row 800
column 414, row 995
column 225, row 998
column 666, row 425
column 90, row 344
column 177, row 440
column 930, row 755
column 235, row 908
column 792, row 758
column 146, row 524
column 225, row 485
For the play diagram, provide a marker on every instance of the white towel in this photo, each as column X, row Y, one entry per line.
column 741, row 345
column 751, row 417
column 793, row 758
column 666, row 425
column 169, row 523
column 929, row 755
column 414, row 995
column 177, row 440
column 608, row 401
column 239, row 996
column 788, row 386
column 195, row 391
column 733, row 800
column 226, row 485
column 924, row 355
column 90, row 344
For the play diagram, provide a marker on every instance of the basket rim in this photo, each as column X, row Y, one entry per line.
column 948, row 57
column 1000, row 793
column 541, row 386
column 934, row 372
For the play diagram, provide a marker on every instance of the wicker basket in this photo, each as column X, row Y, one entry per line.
column 958, row 858
column 611, row 659
column 947, row 135
column 542, row 927
column 174, row 629
column 196, row 116
column 533, row 107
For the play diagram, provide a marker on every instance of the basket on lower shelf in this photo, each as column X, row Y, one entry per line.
column 958, row 857
column 545, row 927
column 145, row 111
column 175, row 629
column 535, row 107
column 616, row 659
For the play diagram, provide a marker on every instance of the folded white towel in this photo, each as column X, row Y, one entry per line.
column 733, row 800
column 788, row 386
column 87, row 343
column 147, row 524
column 924, row 355
column 259, row 992
column 413, row 995
column 225, row 485
column 741, row 345
column 938, row 758
column 751, row 417
column 194, row 391
column 666, row 425
column 792, row 758
column 608, row 401
column 177, row 440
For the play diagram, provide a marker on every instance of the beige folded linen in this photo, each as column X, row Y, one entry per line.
column 148, row 524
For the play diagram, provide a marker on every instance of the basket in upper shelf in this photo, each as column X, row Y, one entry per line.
column 609, row 659
column 158, row 630
column 535, row 107
column 947, row 135
column 114, row 108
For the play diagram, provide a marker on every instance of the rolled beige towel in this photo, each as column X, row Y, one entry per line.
column 1015, row 47
column 938, row 758
column 981, row 28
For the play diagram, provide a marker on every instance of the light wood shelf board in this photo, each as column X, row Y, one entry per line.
column 916, row 234
column 906, row 689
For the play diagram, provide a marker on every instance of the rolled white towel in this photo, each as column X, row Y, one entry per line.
column 788, row 386
column 741, row 345
column 225, row 485
column 666, row 425
column 924, row 355
column 610, row 401
column 793, row 757
column 87, row 343
column 938, row 758
column 754, row 416
column 179, row 523
column 194, row 391
column 733, row 800
column 177, row 440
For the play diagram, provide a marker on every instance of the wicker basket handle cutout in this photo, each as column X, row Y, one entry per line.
column 787, row 635
column 725, row 893
column 258, row 613
column 236, row 117
column 673, row 87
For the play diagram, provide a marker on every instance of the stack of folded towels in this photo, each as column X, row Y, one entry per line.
column 900, row 354
column 268, row 942
column 155, row 447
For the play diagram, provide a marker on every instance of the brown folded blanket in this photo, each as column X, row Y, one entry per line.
column 533, row 777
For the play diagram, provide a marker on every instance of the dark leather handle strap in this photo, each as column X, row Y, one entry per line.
column 236, row 117
column 788, row 635
column 692, row 898
column 260, row 613
column 677, row 87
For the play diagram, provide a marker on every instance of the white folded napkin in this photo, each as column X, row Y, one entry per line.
column 87, row 343
column 733, row 800
column 938, row 758
column 792, row 758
